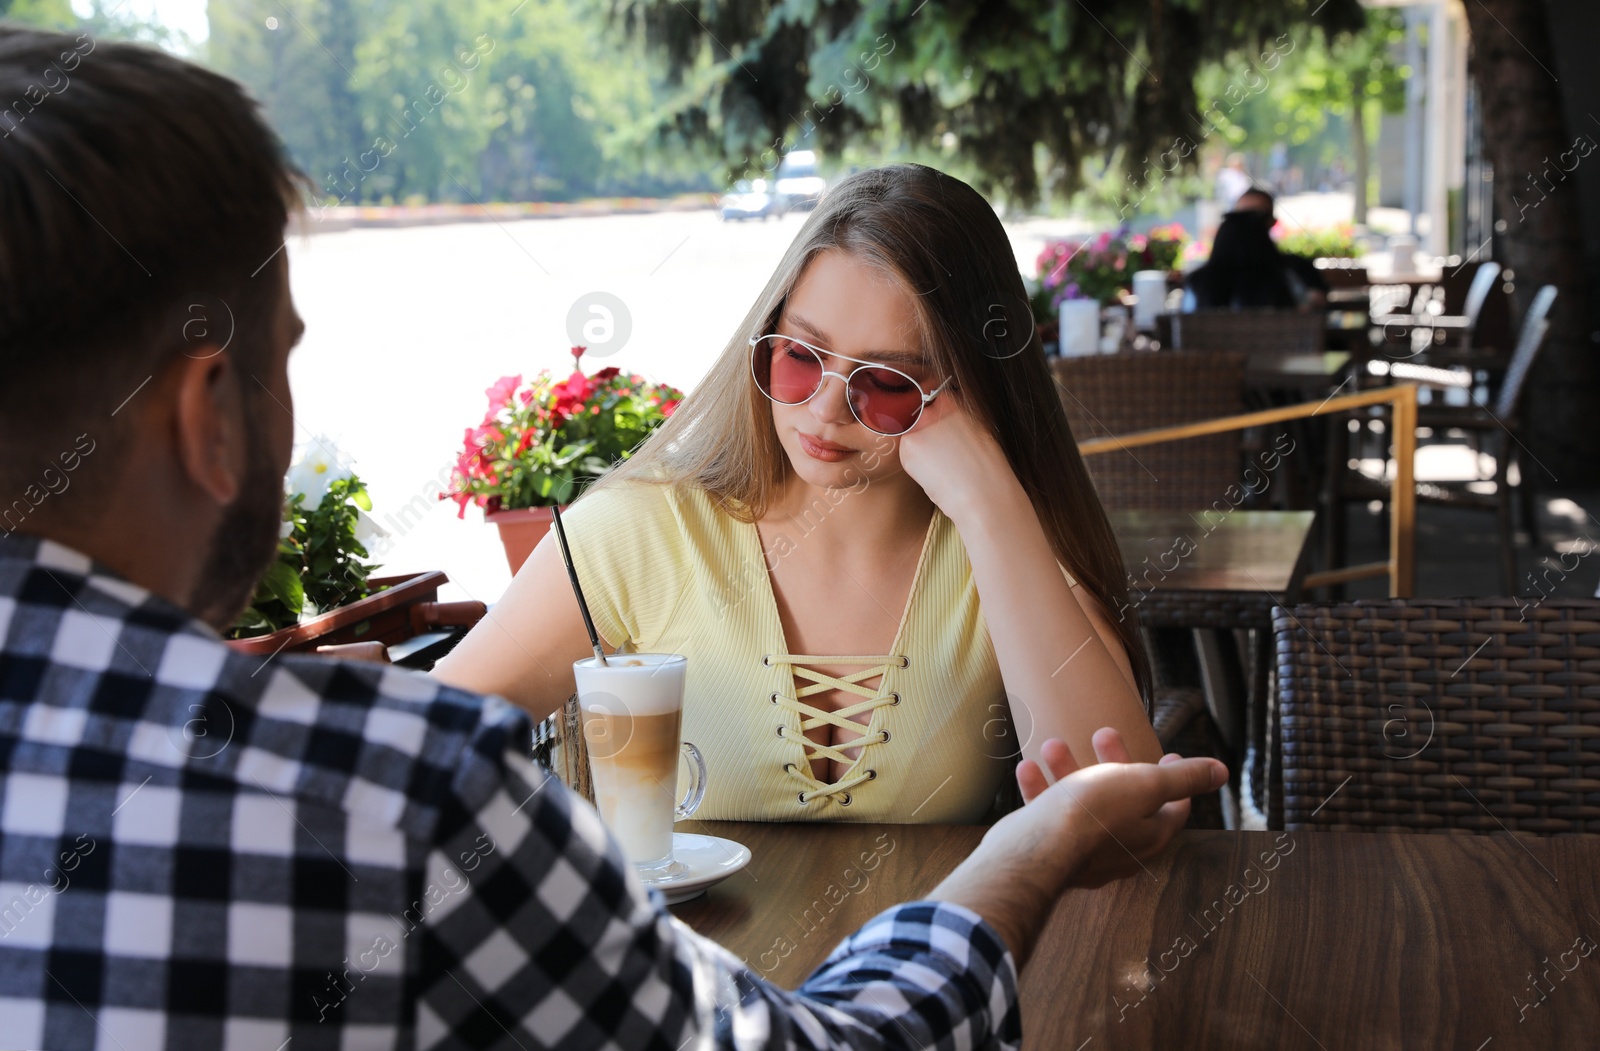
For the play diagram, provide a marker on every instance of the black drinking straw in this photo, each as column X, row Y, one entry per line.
column 572, row 572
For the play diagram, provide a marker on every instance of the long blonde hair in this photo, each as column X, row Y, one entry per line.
column 937, row 236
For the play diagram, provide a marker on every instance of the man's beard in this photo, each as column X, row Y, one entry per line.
column 245, row 543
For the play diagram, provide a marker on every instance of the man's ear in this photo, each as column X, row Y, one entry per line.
column 207, row 427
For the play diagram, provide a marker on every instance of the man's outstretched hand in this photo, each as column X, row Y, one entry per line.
column 1116, row 797
column 1080, row 828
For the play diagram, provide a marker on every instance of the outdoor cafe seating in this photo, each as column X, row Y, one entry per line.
column 1357, row 726
column 1353, row 728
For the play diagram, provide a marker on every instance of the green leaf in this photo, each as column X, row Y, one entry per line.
column 284, row 585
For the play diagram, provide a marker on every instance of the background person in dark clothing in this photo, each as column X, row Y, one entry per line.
column 1263, row 203
column 1245, row 271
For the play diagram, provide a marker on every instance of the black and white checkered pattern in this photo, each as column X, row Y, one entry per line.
column 203, row 849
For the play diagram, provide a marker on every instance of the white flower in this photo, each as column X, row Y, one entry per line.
column 321, row 465
column 368, row 529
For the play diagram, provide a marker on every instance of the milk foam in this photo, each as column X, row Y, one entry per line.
column 652, row 686
column 637, row 804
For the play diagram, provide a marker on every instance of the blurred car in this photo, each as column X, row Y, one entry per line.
column 798, row 185
column 749, row 200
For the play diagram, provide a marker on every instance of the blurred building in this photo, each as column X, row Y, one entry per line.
column 1430, row 158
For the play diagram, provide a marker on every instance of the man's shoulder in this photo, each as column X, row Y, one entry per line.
column 95, row 665
column 382, row 743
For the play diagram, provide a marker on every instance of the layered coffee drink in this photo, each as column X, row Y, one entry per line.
column 632, row 712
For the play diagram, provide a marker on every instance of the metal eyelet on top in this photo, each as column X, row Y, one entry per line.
column 789, row 768
column 780, row 729
column 774, row 697
column 895, row 701
column 872, row 775
column 846, row 800
column 905, row 662
column 885, row 738
column 766, row 661
column 803, row 799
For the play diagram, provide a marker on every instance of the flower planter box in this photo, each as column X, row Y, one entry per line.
column 406, row 606
column 520, row 531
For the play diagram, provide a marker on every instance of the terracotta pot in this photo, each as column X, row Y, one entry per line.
column 520, row 531
column 404, row 607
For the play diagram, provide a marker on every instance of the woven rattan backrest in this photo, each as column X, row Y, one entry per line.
column 1116, row 394
column 1529, row 342
column 1439, row 715
column 1252, row 331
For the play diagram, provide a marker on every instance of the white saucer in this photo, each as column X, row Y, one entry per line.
column 699, row 863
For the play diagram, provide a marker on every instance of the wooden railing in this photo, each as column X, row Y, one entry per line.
column 1402, row 398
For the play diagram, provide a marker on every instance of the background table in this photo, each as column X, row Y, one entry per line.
column 1234, row 940
column 1252, row 552
column 1243, row 564
column 1305, row 374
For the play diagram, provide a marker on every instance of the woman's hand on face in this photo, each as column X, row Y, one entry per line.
column 952, row 457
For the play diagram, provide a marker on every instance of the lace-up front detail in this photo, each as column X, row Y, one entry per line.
column 812, row 717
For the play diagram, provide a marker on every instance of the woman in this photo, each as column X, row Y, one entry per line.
column 881, row 594
column 1245, row 271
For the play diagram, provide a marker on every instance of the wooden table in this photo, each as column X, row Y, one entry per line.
column 1233, row 550
column 1239, row 565
column 1301, row 373
column 1235, row 940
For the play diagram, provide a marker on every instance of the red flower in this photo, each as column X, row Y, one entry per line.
column 524, row 417
column 571, row 394
column 500, row 393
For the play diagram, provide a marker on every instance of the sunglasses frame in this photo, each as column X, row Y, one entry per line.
column 861, row 363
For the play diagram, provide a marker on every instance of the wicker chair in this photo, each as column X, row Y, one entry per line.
column 1124, row 393
column 1439, row 715
column 1460, row 329
column 1114, row 394
column 1252, row 331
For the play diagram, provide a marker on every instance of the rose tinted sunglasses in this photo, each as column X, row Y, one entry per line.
column 791, row 371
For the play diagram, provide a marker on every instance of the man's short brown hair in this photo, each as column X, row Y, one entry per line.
column 141, row 200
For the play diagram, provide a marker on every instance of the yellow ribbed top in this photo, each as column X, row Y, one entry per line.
column 666, row 571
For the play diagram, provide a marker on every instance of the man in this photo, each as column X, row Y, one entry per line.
column 204, row 849
column 1259, row 202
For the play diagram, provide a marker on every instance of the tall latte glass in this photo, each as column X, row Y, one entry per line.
column 632, row 713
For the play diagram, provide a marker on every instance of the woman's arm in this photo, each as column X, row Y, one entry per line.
column 524, row 648
column 1060, row 662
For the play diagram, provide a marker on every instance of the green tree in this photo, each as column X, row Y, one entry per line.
column 104, row 22
column 1328, row 90
column 1027, row 93
column 296, row 61
column 1353, row 76
column 454, row 100
column 52, row 14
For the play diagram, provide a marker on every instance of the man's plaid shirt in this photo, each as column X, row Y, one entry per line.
column 202, row 849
